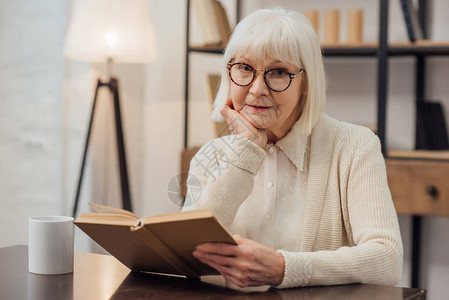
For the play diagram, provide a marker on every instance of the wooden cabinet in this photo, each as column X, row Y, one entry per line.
column 419, row 187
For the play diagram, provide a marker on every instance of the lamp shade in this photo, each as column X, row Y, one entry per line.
column 120, row 30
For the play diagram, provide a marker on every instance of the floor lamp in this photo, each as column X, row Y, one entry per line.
column 110, row 31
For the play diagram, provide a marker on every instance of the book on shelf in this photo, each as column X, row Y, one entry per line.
column 208, row 26
column 411, row 19
column 438, row 127
column 157, row 244
column 213, row 84
column 431, row 133
column 213, row 22
column 223, row 22
column 421, row 116
column 186, row 157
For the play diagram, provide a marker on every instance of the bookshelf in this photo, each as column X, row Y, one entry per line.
column 214, row 49
column 419, row 154
column 430, row 197
column 427, row 48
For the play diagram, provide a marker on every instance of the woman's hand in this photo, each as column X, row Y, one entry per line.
column 239, row 125
column 247, row 264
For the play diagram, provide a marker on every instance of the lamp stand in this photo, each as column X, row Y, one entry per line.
column 126, row 197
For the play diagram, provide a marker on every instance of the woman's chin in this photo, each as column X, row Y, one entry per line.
column 254, row 121
column 258, row 120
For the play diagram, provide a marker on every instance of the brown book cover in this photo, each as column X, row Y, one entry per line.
column 213, row 80
column 157, row 244
column 186, row 157
column 205, row 11
column 222, row 22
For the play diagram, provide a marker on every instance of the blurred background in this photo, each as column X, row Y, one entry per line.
column 45, row 103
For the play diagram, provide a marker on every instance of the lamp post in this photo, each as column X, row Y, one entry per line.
column 110, row 31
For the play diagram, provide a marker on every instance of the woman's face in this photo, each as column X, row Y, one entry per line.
column 273, row 111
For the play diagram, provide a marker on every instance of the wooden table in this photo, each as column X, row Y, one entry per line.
column 98, row 276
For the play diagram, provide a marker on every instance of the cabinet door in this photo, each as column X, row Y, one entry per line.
column 419, row 187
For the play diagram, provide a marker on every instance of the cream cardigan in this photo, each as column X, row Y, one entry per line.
column 350, row 231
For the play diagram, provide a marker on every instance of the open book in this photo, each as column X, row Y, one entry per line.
column 159, row 244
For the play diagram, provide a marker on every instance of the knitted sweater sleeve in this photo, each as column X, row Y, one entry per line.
column 221, row 176
column 376, row 253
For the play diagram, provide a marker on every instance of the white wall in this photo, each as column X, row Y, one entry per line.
column 45, row 104
column 31, row 135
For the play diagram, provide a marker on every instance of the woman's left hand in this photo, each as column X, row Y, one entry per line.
column 247, row 264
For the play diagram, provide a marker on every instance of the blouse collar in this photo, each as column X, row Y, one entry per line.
column 294, row 145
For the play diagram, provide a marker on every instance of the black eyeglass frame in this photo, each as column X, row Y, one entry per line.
column 291, row 75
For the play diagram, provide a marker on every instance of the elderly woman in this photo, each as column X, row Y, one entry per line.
column 305, row 195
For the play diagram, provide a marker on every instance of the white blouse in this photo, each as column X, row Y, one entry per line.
column 275, row 205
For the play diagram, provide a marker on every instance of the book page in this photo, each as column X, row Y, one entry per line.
column 178, row 216
column 107, row 219
column 98, row 208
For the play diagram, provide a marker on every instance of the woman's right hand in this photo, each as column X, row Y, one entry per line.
column 239, row 125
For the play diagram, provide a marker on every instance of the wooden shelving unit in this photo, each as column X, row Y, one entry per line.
column 214, row 49
column 419, row 154
column 427, row 48
column 206, row 49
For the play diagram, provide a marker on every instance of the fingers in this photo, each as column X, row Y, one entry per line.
column 225, row 258
column 230, row 116
column 217, row 260
column 239, row 239
column 249, row 263
column 231, row 274
column 233, row 117
column 238, row 124
column 229, row 103
column 217, row 248
column 228, row 113
column 244, row 241
column 241, row 282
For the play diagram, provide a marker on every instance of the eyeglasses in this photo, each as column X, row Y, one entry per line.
column 277, row 80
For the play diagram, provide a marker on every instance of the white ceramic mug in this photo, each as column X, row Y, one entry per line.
column 50, row 248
